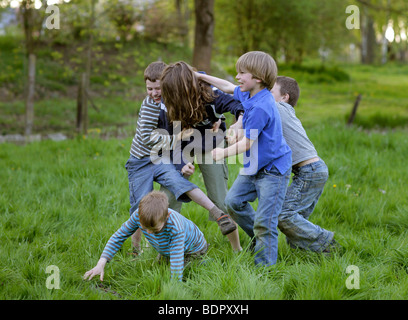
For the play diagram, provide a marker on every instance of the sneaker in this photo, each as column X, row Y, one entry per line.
column 226, row 224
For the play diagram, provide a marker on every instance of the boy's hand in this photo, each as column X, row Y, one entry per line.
column 235, row 132
column 218, row 154
column 98, row 269
column 232, row 135
column 216, row 126
column 188, row 169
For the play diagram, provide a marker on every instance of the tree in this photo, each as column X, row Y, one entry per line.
column 182, row 13
column 124, row 14
column 32, row 21
column 368, row 41
column 84, row 87
column 377, row 16
column 204, row 34
column 288, row 29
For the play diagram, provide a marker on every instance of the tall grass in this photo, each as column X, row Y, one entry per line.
column 61, row 201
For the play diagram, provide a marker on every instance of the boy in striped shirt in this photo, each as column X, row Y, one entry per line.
column 170, row 233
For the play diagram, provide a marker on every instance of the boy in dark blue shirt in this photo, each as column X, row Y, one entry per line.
column 267, row 157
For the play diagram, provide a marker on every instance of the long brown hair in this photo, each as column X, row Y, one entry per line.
column 184, row 95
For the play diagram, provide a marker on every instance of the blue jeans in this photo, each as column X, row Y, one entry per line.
column 270, row 189
column 142, row 173
column 301, row 198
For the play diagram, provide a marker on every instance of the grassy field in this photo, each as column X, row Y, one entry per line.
column 61, row 201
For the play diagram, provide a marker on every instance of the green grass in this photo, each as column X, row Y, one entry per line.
column 59, row 115
column 61, row 201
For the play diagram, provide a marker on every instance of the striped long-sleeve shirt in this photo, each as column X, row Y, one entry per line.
column 178, row 237
column 149, row 139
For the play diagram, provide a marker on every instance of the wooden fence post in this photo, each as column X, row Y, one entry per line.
column 354, row 110
column 85, row 103
column 29, row 103
column 82, row 110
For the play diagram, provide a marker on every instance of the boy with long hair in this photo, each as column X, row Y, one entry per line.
column 267, row 157
column 196, row 105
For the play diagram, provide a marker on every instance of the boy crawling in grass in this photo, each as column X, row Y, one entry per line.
column 170, row 233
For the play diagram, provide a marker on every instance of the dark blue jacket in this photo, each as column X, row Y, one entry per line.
column 222, row 103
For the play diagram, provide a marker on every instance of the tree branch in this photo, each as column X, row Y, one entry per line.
column 386, row 8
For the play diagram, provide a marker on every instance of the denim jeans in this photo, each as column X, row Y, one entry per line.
column 142, row 173
column 270, row 189
column 301, row 198
column 215, row 178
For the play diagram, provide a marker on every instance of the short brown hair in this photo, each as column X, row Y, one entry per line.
column 289, row 86
column 261, row 65
column 153, row 209
column 154, row 71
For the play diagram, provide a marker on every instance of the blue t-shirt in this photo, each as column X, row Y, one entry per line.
column 262, row 123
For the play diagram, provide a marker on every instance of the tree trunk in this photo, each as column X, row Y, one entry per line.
column 29, row 103
column 204, row 31
column 27, row 11
column 85, row 80
column 82, row 115
column 368, row 41
column 182, row 16
column 384, row 43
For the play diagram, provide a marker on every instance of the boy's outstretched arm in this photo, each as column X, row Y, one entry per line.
column 241, row 146
column 221, row 84
column 114, row 244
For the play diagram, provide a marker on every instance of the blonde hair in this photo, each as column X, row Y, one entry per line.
column 153, row 209
column 261, row 65
column 184, row 95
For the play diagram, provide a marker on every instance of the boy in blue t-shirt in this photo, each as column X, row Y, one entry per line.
column 267, row 157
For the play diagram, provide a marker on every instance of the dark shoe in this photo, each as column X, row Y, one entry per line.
column 226, row 224
column 252, row 245
column 333, row 246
